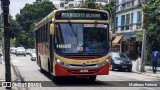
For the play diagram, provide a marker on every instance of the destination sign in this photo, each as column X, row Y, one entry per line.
column 81, row 15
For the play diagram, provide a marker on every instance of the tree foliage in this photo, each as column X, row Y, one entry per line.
column 29, row 15
column 111, row 9
column 152, row 11
column 88, row 4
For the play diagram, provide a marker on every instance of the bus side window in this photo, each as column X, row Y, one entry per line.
column 48, row 33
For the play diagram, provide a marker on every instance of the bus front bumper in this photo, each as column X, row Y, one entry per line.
column 64, row 71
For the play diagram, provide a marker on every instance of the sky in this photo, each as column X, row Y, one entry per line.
column 16, row 5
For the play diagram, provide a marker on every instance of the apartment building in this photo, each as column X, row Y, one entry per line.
column 128, row 23
column 64, row 4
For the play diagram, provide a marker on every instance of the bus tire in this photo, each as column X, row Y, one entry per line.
column 92, row 78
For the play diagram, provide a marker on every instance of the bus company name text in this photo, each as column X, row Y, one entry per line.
column 80, row 15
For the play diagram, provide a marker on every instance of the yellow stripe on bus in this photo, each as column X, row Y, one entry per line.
column 80, row 62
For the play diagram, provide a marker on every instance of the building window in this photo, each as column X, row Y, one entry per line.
column 116, row 8
column 61, row 4
column 122, row 28
column 131, row 27
column 139, row 17
column 116, row 23
column 131, row 18
column 106, row 1
column 123, row 1
column 117, row 2
column 123, row 6
column 71, row 5
column 127, row 18
column 138, row 26
column 122, row 19
column 127, row 27
column 116, row 29
column 132, row 3
column 128, row 4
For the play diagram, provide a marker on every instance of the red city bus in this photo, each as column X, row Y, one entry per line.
column 73, row 42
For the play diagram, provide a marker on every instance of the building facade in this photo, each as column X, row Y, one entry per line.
column 64, row 4
column 128, row 25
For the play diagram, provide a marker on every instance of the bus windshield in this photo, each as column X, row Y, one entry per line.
column 81, row 38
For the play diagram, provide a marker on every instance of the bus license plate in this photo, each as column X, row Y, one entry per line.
column 83, row 70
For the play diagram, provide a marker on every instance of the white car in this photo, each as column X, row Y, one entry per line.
column 20, row 51
column 33, row 56
column 32, row 51
column 28, row 51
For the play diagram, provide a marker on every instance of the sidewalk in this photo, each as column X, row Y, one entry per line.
column 2, row 74
column 148, row 70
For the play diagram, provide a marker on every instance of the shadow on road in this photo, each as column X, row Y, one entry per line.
column 78, row 82
column 117, row 70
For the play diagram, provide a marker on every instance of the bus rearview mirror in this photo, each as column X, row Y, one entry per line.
column 52, row 29
column 110, row 35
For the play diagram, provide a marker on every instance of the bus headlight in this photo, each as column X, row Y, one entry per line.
column 62, row 63
column 103, row 63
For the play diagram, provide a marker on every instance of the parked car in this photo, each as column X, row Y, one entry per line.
column 32, row 51
column 120, row 61
column 33, row 56
column 28, row 51
column 20, row 51
column 14, row 50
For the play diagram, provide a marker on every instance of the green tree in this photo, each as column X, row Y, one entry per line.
column 89, row 4
column 110, row 8
column 152, row 11
column 15, row 28
column 29, row 15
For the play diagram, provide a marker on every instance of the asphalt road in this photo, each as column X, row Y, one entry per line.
column 28, row 71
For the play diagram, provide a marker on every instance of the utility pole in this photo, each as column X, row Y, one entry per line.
column 143, row 53
column 6, row 31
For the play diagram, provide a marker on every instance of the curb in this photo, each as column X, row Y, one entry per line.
column 148, row 74
column 17, row 74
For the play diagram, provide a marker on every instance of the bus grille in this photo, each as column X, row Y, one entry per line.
column 83, row 66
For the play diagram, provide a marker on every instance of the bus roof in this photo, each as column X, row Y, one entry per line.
column 51, row 16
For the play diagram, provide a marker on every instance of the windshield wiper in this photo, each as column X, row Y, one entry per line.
column 74, row 32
